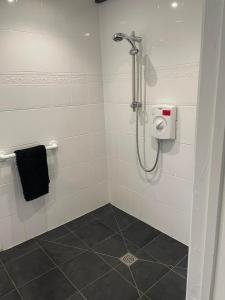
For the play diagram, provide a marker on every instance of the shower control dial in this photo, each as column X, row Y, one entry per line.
column 164, row 121
column 160, row 123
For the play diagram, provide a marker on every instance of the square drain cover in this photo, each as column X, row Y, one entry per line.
column 128, row 259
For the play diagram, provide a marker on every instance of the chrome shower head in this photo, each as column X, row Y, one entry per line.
column 118, row 37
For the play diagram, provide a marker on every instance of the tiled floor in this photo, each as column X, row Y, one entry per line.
column 81, row 260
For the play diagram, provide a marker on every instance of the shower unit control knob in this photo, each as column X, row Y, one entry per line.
column 160, row 123
column 164, row 121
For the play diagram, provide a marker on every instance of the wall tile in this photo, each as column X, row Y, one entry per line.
column 178, row 159
column 12, row 232
column 169, row 72
column 13, row 16
column 186, row 124
column 51, row 89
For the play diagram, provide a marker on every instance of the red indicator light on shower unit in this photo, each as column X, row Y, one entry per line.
column 166, row 112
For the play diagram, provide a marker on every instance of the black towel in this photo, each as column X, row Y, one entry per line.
column 33, row 169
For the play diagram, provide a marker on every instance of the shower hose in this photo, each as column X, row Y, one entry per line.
column 138, row 149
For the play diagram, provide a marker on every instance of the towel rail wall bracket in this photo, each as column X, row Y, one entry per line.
column 52, row 145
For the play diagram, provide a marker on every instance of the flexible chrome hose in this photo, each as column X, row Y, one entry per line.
column 138, row 149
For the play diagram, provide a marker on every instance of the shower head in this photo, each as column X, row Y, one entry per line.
column 118, row 37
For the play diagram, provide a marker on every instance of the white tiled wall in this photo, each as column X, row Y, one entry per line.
column 171, row 47
column 51, row 89
column 51, row 61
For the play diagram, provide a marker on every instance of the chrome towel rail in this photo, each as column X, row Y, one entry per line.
column 52, row 145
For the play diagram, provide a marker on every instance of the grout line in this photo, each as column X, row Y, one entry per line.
column 91, row 250
column 125, row 244
column 70, row 297
column 126, row 227
column 108, row 237
column 46, row 240
column 170, row 270
column 157, row 262
column 86, row 224
column 154, row 284
column 58, row 267
column 61, row 140
column 155, row 238
column 67, row 246
column 115, row 269
column 121, row 234
column 97, row 253
column 136, row 285
column 70, row 259
column 141, row 248
column 20, row 256
column 118, row 230
column 8, row 294
column 52, row 107
column 100, row 277
column 181, row 276
column 76, row 236
column 169, row 267
column 13, row 282
column 37, row 277
column 1, row 262
column 104, row 254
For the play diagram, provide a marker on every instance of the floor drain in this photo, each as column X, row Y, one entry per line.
column 128, row 259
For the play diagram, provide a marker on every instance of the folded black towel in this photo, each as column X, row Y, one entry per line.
column 33, row 169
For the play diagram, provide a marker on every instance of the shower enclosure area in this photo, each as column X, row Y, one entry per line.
column 88, row 76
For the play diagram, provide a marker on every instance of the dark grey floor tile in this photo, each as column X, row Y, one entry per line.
column 167, row 250
column 117, row 220
column 32, row 270
column 102, row 211
column 77, row 297
column 123, row 219
column 60, row 253
column 143, row 255
column 144, row 298
column 113, row 246
column 94, row 233
column 6, row 285
column 110, row 221
column 84, row 269
column 116, row 247
column 131, row 247
column 79, row 222
column 71, row 240
column 12, row 296
column 111, row 287
column 181, row 268
column 114, row 262
column 140, row 233
column 50, row 286
column 171, row 287
column 145, row 273
column 126, row 273
column 18, row 251
column 54, row 234
column 28, row 267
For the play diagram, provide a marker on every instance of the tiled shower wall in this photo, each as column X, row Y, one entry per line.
column 51, row 89
column 170, row 62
